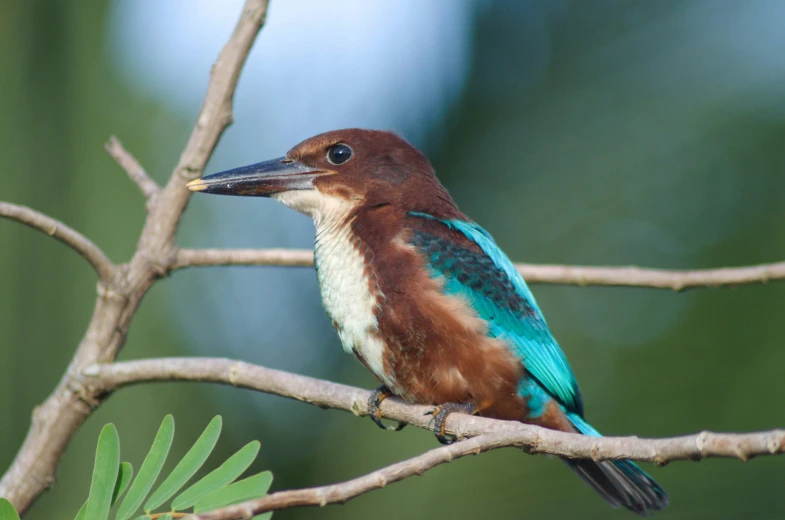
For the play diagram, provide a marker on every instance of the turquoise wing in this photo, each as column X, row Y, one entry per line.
column 499, row 295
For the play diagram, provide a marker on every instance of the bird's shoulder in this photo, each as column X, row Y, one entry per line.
column 450, row 252
column 471, row 265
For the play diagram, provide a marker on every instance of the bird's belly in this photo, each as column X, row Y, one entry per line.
column 350, row 299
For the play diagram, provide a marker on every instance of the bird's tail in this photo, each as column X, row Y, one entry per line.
column 619, row 482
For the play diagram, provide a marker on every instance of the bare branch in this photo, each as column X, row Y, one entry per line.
column 482, row 434
column 216, row 113
column 128, row 162
column 415, row 466
column 345, row 491
column 211, row 257
column 67, row 407
column 56, row 229
column 534, row 439
column 629, row 276
column 91, row 374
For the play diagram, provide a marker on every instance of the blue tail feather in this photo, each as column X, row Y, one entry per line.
column 619, row 482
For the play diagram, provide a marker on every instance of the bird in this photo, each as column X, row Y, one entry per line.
column 423, row 296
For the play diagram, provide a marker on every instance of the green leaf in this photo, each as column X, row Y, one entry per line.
column 82, row 511
column 105, row 471
column 219, row 477
column 264, row 516
column 246, row 489
column 189, row 465
column 149, row 470
column 7, row 510
column 123, row 479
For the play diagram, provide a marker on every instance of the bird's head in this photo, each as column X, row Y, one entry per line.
column 332, row 174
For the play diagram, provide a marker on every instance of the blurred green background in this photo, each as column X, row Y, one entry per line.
column 591, row 132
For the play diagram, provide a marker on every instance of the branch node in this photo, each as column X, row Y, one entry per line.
column 700, row 443
column 188, row 173
column 533, row 447
column 776, row 443
column 83, row 394
column 105, row 291
column 595, row 451
column 233, row 373
column 323, row 500
column 92, row 370
column 359, row 406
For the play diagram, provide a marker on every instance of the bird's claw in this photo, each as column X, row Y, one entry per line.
column 374, row 401
column 440, row 414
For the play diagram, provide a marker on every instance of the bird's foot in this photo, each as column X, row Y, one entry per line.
column 377, row 396
column 440, row 414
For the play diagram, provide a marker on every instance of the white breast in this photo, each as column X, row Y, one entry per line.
column 347, row 295
column 346, row 290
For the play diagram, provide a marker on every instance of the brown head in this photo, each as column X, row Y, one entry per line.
column 332, row 174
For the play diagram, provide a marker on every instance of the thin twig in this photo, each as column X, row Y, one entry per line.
column 56, row 229
column 625, row 276
column 68, row 406
column 212, row 257
column 699, row 446
column 632, row 276
column 344, row 491
column 326, row 394
column 136, row 173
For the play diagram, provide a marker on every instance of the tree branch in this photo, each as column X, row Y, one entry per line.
column 91, row 375
column 626, row 276
column 482, row 434
column 57, row 419
column 345, row 491
column 632, row 276
column 136, row 173
column 213, row 257
column 325, row 394
column 59, row 231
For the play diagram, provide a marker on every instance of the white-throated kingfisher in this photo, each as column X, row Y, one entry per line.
column 423, row 296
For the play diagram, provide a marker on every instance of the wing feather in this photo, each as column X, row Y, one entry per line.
column 499, row 294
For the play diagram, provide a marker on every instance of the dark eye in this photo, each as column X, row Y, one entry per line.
column 339, row 154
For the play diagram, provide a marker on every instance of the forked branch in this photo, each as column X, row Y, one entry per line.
column 92, row 374
column 67, row 407
column 326, row 394
column 344, row 491
column 481, row 434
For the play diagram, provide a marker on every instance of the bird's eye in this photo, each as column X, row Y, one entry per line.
column 339, row 154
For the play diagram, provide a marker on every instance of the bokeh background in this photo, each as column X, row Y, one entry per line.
column 591, row 132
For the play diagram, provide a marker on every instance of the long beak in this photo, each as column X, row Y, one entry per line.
column 259, row 180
